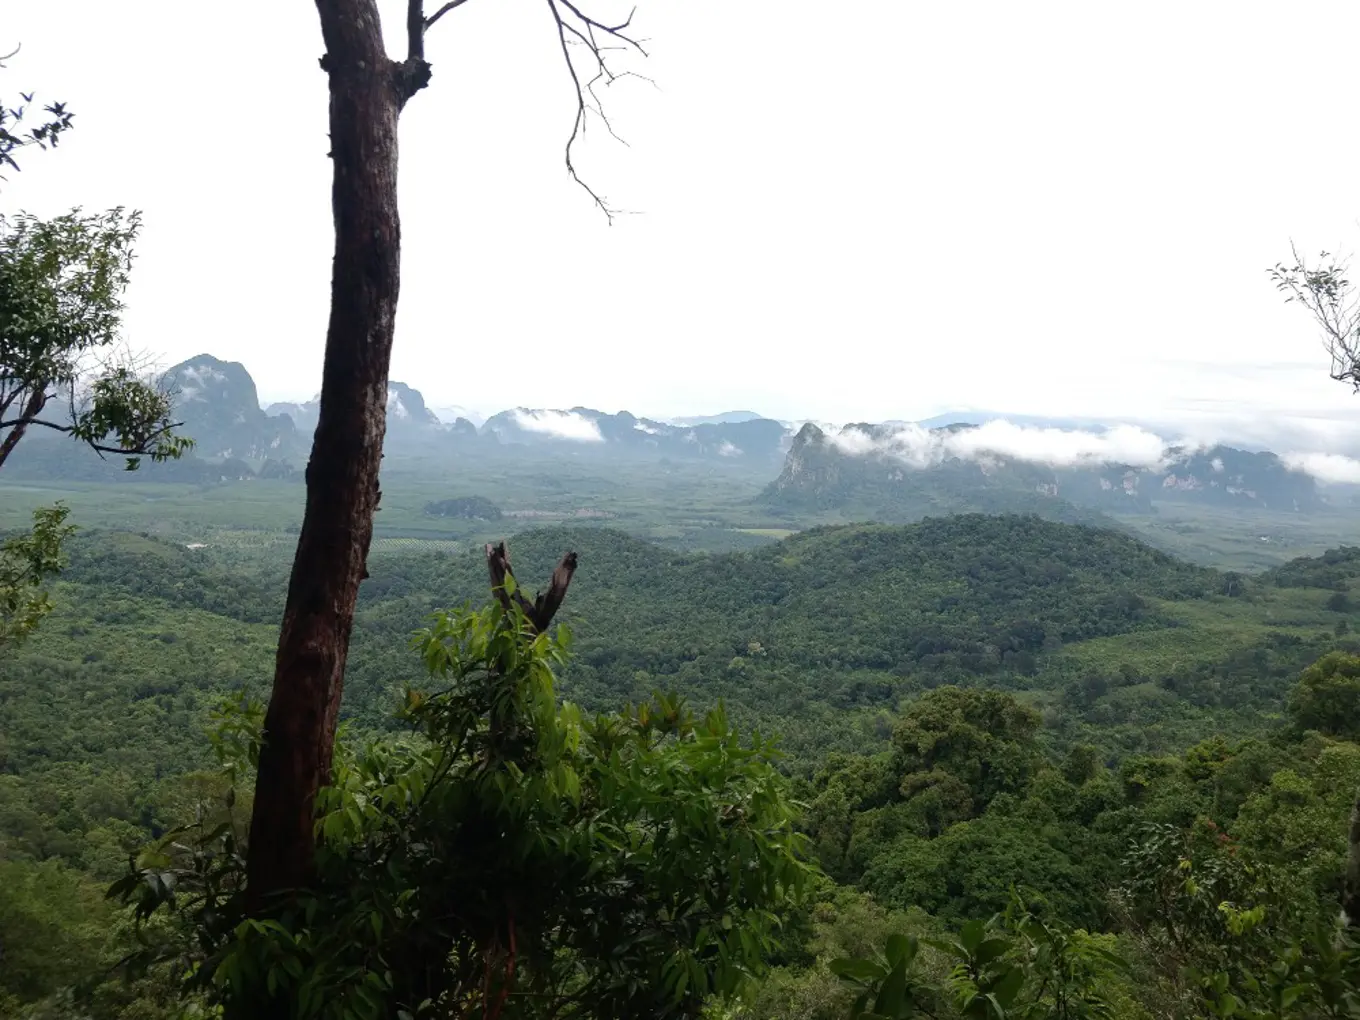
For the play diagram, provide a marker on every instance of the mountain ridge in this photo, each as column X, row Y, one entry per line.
column 946, row 470
column 235, row 438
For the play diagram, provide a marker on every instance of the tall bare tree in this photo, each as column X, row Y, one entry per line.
column 368, row 90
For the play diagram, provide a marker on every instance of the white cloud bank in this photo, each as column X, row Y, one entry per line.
column 921, row 448
column 1325, row 467
column 560, row 425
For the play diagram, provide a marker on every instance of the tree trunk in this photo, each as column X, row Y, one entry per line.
column 367, row 91
column 32, row 408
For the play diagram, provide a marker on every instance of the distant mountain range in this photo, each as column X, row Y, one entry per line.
column 889, row 472
column 219, row 405
column 1067, row 469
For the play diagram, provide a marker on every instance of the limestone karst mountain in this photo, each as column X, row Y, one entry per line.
column 220, row 408
column 892, row 474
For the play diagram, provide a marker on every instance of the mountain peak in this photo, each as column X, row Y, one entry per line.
column 220, row 408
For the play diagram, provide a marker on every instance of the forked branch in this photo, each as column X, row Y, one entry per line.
column 543, row 608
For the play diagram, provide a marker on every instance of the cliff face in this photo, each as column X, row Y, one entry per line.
column 1232, row 477
column 220, row 408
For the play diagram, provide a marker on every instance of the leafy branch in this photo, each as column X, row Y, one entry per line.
column 44, row 135
column 1325, row 290
column 61, row 286
column 26, row 561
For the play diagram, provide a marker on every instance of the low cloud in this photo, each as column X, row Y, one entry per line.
column 1129, row 445
column 560, row 425
column 1325, row 467
column 922, row 448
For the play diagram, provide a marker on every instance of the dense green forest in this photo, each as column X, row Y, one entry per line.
column 1069, row 731
column 964, row 705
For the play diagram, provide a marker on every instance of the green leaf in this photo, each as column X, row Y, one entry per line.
column 857, row 969
column 971, row 934
column 892, row 996
column 990, row 950
column 901, row 949
column 1290, row 995
column 1006, row 989
column 947, row 947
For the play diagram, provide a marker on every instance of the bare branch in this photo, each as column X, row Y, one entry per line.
column 498, row 562
column 415, row 30
column 576, row 28
column 443, row 11
column 143, row 447
column 413, row 73
column 547, row 604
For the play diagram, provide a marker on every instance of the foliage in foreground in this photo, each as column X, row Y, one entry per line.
column 510, row 858
column 26, row 561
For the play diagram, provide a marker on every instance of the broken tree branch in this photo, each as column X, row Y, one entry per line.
column 541, row 611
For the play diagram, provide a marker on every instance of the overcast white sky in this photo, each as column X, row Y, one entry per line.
column 859, row 211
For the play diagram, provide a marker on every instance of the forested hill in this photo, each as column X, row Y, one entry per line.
column 950, row 585
column 812, row 637
column 820, row 638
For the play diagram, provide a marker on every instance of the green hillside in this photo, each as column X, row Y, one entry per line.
column 1112, row 653
column 819, row 638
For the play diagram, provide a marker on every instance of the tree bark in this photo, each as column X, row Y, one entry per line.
column 367, row 91
column 32, row 408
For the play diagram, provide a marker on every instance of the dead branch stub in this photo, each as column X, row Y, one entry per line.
column 543, row 608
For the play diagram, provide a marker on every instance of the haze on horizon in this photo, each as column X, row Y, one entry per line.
column 1061, row 210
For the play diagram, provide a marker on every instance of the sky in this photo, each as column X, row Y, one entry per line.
column 860, row 212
